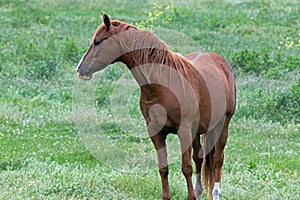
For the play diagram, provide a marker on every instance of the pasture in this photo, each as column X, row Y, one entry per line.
column 42, row 156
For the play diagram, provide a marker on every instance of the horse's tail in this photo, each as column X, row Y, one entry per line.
column 208, row 172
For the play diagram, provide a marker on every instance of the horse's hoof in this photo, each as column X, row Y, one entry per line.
column 216, row 195
column 198, row 191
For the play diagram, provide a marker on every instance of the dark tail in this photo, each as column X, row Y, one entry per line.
column 208, row 173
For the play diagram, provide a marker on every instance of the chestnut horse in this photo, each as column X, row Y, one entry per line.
column 187, row 96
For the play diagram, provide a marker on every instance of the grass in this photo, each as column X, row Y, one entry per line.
column 42, row 156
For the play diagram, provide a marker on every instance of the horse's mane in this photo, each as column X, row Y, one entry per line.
column 147, row 48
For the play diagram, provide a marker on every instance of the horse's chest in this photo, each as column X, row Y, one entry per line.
column 161, row 114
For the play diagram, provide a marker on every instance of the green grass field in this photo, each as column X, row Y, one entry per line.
column 43, row 157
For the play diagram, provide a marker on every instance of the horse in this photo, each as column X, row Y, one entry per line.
column 192, row 96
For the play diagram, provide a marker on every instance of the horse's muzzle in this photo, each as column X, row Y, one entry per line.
column 83, row 76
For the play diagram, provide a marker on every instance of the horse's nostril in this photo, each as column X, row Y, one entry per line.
column 77, row 70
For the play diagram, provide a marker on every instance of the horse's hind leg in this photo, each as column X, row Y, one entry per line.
column 198, row 160
column 159, row 141
column 219, row 159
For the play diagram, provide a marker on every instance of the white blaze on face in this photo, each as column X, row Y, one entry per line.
column 78, row 70
column 78, row 65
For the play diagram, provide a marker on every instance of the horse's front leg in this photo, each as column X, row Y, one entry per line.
column 185, row 137
column 159, row 141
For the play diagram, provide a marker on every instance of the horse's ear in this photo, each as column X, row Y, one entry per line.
column 106, row 21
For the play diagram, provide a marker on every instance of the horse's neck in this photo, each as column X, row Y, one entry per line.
column 142, row 47
column 169, row 69
column 150, row 59
column 140, row 68
column 136, row 58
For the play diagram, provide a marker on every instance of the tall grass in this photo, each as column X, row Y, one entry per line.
column 41, row 154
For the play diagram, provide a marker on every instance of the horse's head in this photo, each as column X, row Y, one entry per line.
column 104, row 49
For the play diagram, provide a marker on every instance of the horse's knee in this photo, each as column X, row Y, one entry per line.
column 187, row 171
column 164, row 171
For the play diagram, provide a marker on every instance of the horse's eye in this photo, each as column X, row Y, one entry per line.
column 96, row 42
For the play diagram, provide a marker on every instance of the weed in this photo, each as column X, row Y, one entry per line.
column 261, row 62
column 69, row 50
column 160, row 14
column 281, row 106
